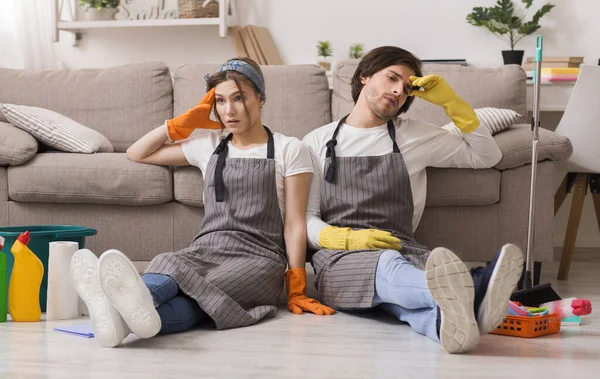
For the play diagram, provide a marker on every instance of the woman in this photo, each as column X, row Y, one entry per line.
column 233, row 271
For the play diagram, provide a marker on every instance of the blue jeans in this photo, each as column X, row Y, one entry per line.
column 401, row 289
column 178, row 312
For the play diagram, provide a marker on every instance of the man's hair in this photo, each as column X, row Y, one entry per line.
column 379, row 59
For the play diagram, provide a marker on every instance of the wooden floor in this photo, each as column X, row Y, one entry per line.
column 342, row 346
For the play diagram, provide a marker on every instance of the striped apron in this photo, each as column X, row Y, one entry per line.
column 235, row 266
column 362, row 193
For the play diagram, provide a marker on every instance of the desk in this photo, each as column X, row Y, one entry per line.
column 554, row 96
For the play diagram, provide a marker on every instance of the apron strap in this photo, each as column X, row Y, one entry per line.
column 392, row 132
column 222, row 150
column 270, row 144
column 330, row 171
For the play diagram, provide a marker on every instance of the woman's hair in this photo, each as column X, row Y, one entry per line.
column 223, row 76
column 379, row 59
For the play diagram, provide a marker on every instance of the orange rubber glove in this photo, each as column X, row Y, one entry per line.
column 295, row 282
column 198, row 117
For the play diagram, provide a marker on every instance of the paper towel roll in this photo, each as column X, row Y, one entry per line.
column 63, row 300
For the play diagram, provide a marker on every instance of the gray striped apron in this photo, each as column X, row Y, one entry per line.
column 235, row 266
column 362, row 193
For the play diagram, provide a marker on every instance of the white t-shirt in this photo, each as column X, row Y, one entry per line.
column 421, row 144
column 292, row 157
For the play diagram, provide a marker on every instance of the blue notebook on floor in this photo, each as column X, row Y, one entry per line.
column 81, row 330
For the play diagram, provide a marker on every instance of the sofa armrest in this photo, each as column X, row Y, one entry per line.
column 516, row 146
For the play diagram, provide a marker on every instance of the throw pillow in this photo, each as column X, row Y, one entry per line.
column 496, row 119
column 56, row 130
column 16, row 146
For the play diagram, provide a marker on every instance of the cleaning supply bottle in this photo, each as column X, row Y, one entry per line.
column 25, row 281
column 3, row 293
column 569, row 307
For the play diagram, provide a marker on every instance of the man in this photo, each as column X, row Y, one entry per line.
column 368, row 195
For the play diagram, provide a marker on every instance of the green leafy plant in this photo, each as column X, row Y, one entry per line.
column 506, row 22
column 324, row 49
column 356, row 51
column 100, row 4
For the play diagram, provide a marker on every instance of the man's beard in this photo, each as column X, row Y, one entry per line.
column 382, row 112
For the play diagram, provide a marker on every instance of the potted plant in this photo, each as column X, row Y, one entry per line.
column 324, row 54
column 100, row 10
column 356, row 51
column 508, row 24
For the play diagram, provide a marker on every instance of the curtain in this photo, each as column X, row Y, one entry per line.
column 26, row 35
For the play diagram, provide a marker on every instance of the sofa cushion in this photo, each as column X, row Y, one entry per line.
column 298, row 97
column 504, row 87
column 16, row 145
column 188, row 186
column 516, row 146
column 448, row 187
column 122, row 103
column 3, row 185
column 445, row 187
column 103, row 178
column 56, row 130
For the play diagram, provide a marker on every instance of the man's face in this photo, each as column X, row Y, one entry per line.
column 387, row 90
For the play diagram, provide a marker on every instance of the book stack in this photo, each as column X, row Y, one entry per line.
column 556, row 69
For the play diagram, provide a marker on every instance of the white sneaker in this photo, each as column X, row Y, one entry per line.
column 507, row 268
column 109, row 328
column 450, row 284
column 129, row 295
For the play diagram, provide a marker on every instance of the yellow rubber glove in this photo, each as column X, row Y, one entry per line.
column 335, row 238
column 198, row 117
column 295, row 283
column 437, row 91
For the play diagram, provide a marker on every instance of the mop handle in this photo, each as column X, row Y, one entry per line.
column 534, row 152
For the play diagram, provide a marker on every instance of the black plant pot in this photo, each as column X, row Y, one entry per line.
column 513, row 56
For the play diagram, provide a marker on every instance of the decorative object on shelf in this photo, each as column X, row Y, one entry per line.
column 356, row 50
column 324, row 54
column 156, row 12
column 508, row 24
column 101, row 10
column 255, row 42
column 198, row 8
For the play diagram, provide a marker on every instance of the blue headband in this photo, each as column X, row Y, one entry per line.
column 245, row 69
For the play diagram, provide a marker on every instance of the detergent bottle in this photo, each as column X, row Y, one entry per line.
column 25, row 281
column 3, row 292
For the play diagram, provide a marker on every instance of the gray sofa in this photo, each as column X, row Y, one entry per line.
column 144, row 210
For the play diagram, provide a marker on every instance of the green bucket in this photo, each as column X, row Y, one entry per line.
column 41, row 236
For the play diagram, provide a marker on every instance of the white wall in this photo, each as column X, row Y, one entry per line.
column 429, row 28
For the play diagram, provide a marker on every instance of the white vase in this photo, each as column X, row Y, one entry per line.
column 324, row 63
column 104, row 14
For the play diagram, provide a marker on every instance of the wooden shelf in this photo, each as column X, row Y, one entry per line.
column 228, row 16
column 81, row 25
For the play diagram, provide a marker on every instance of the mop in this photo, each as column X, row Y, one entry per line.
column 528, row 294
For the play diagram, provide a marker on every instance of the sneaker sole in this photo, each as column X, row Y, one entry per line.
column 503, row 282
column 125, row 289
column 109, row 328
column 451, row 285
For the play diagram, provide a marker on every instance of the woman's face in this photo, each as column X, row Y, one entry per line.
column 230, row 106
